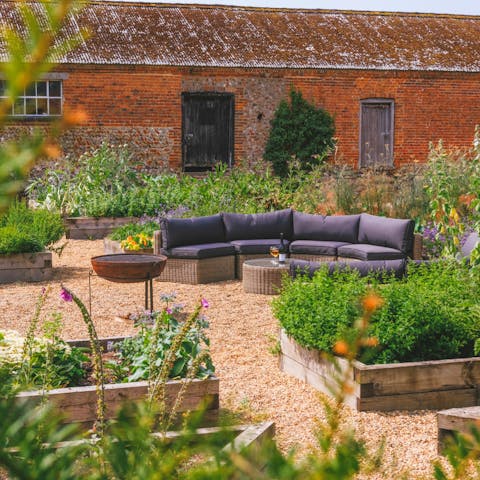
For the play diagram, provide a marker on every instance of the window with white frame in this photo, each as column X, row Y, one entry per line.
column 40, row 99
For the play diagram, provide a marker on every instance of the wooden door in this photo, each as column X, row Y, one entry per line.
column 376, row 133
column 207, row 126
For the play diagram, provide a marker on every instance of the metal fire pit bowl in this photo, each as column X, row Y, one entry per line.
column 128, row 268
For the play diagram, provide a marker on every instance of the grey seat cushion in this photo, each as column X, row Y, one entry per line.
column 313, row 247
column 239, row 226
column 342, row 228
column 386, row 232
column 362, row 251
column 470, row 243
column 205, row 250
column 382, row 269
column 178, row 232
column 257, row 246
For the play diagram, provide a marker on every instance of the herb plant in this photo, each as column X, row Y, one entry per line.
column 431, row 314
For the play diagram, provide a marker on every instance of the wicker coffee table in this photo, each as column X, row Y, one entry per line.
column 263, row 275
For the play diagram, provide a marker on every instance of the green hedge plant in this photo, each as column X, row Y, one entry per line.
column 24, row 230
column 433, row 313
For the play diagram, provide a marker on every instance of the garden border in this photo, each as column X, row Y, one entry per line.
column 92, row 228
column 79, row 404
column 435, row 385
column 26, row 267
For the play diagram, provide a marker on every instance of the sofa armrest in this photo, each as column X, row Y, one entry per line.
column 157, row 242
column 417, row 246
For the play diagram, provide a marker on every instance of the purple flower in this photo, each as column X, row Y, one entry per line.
column 205, row 303
column 169, row 310
column 65, row 295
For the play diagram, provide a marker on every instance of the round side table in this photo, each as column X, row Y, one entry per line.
column 264, row 275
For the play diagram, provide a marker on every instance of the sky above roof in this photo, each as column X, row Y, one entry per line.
column 463, row 7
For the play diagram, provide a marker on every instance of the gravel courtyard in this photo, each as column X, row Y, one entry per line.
column 242, row 333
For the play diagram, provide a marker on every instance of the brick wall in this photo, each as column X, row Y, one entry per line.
column 141, row 106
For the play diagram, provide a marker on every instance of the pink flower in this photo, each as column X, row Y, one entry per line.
column 205, row 303
column 169, row 310
column 65, row 295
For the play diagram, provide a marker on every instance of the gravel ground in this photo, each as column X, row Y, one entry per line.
column 242, row 332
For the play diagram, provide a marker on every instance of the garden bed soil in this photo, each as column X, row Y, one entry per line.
column 432, row 385
column 91, row 228
column 243, row 333
column 26, row 267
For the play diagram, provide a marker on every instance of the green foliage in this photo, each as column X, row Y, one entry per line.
column 39, row 42
column 28, row 230
column 453, row 189
column 431, row 314
column 135, row 352
column 13, row 240
column 299, row 130
column 318, row 312
column 131, row 229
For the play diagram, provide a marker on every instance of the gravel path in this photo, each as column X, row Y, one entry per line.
column 242, row 332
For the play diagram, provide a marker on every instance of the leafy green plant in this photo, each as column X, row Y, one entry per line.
column 13, row 240
column 301, row 131
column 431, row 314
column 158, row 332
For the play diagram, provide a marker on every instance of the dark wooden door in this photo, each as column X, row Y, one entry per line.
column 207, row 130
column 376, row 134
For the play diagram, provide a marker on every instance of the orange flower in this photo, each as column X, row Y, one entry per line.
column 75, row 117
column 341, row 348
column 467, row 198
column 370, row 342
column 371, row 302
column 52, row 150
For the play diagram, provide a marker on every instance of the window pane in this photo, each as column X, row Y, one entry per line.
column 30, row 92
column 55, row 89
column 19, row 108
column 31, row 106
column 55, row 106
column 41, row 89
column 42, row 106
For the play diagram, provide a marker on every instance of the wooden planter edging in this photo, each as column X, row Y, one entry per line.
column 78, row 404
column 26, row 267
column 91, row 228
column 455, row 420
column 436, row 385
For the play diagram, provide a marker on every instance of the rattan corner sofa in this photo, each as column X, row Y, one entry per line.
column 213, row 248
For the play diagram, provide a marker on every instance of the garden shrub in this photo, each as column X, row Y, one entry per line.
column 318, row 312
column 13, row 240
column 431, row 314
column 299, row 130
column 28, row 230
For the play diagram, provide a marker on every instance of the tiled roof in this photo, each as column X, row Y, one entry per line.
column 154, row 33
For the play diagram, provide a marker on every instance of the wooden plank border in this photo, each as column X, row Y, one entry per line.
column 26, row 267
column 78, row 404
column 436, row 385
column 91, row 228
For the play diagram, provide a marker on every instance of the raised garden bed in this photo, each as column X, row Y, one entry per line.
column 78, row 404
column 26, row 267
column 113, row 246
column 435, row 385
column 91, row 228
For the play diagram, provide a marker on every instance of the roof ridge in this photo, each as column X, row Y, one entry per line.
column 326, row 11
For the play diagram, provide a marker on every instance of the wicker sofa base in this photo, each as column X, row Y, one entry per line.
column 194, row 271
column 241, row 259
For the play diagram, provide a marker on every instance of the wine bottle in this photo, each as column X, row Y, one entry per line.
column 282, row 250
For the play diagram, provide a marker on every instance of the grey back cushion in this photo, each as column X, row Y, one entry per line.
column 177, row 232
column 342, row 228
column 386, row 232
column 240, row 226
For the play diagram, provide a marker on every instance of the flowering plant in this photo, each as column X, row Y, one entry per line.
column 137, row 242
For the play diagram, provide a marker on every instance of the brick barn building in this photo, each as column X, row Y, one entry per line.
column 188, row 86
